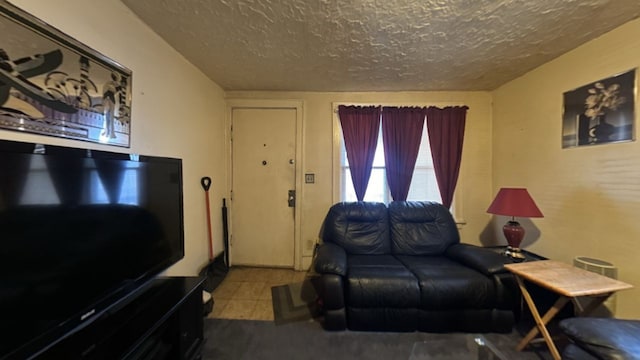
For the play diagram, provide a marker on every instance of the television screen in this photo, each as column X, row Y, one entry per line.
column 79, row 230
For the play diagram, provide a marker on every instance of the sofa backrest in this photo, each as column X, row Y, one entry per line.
column 421, row 228
column 360, row 228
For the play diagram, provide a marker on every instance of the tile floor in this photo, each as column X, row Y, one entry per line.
column 245, row 293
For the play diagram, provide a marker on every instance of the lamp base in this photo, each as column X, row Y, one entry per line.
column 514, row 253
column 514, row 233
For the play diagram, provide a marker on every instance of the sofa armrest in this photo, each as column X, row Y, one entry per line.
column 483, row 260
column 331, row 259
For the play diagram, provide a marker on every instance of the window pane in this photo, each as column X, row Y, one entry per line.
column 376, row 190
column 378, row 159
column 424, row 154
column 423, row 183
column 424, row 186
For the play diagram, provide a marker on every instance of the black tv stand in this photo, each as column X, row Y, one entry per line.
column 163, row 321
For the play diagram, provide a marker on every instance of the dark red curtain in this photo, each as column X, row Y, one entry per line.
column 360, row 127
column 401, row 135
column 446, row 134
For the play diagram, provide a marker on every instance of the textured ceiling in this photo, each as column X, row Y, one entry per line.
column 376, row 45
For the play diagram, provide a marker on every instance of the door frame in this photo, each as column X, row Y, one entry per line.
column 298, row 106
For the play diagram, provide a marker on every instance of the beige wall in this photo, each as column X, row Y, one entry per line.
column 590, row 196
column 475, row 190
column 177, row 111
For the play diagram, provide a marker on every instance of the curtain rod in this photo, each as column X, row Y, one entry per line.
column 335, row 110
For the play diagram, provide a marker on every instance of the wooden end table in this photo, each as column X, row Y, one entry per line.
column 569, row 283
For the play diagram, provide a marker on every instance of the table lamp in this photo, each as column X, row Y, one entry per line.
column 514, row 202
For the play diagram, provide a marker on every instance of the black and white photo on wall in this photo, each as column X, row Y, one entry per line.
column 600, row 112
column 51, row 84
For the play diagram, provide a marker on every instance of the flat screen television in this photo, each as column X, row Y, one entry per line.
column 80, row 230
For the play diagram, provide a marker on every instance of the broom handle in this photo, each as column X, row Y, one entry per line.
column 206, row 184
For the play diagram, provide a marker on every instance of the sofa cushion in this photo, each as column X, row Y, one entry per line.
column 421, row 228
column 446, row 284
column 605, row 338
column 358, row 227
column 380, row 281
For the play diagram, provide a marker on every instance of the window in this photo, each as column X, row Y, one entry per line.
column 423, row 183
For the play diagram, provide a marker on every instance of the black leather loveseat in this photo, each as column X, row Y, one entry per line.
column 403, row 268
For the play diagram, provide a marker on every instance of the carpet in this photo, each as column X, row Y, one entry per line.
column 264, row 340
column 294, row 302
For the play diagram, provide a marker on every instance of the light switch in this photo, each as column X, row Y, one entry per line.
column 309, row 178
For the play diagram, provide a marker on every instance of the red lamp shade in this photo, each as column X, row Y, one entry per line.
column 514, row 202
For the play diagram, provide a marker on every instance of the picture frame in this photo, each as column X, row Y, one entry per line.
column 51, row 84
column 600, row 112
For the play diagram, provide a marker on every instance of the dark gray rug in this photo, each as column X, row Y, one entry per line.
column 249, row 339
column 294, row 302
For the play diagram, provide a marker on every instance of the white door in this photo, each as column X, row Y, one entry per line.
column 263, row 174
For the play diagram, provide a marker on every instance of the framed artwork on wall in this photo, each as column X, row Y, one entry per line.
column 600, row 112
column 51, row 84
